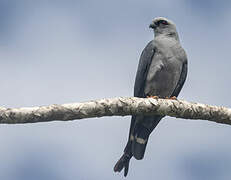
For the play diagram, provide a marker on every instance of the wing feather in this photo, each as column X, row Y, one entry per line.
column 141, row 75
column 182, row 79
column 143, row 67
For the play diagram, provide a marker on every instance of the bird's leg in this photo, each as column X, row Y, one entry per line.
column 173, row 98
column 154, row 97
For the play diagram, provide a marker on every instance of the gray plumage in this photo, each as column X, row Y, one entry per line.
column 162, row 71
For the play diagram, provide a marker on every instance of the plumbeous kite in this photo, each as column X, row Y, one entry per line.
column 162, row 71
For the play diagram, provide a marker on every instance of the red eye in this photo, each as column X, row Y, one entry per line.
column 164, row 22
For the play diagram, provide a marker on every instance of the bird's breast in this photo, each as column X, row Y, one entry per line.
column 163, row 75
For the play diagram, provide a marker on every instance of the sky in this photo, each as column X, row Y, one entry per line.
column 54, row 52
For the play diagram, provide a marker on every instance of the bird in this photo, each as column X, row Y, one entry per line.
column 162, row 71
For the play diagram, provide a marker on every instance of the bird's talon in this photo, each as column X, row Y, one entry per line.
column 173, row 98
column 154, row 97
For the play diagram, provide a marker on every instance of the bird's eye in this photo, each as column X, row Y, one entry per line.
column 163, row 22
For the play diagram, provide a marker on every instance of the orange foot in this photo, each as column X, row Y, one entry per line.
column 173, row 98
column 154, row 97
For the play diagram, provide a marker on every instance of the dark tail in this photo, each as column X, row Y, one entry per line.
column 142, row 129
column 123, row 163
column 140, row 142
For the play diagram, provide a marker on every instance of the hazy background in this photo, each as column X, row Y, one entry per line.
column 70, row 51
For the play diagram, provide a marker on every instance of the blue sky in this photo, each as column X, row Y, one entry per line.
column 70, row 51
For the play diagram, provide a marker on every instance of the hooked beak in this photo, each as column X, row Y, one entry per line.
column 152, row 25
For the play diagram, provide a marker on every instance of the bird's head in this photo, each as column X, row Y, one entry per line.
column 162, row 25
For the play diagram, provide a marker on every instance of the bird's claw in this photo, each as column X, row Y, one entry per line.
column 172, row 98
column 154, row 97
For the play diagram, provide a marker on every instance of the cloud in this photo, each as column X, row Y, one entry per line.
column 60, row 52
